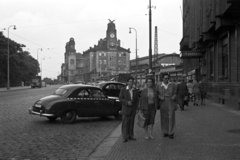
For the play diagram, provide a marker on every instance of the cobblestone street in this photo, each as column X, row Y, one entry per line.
column 26, row 137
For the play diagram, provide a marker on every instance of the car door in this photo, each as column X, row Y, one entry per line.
column 105, row 106
column 82, row 102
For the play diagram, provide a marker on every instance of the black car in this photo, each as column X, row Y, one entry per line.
column 70, row 101
column 111, row 89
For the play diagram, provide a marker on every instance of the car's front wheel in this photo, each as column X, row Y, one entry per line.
column 51, row 118
column 118, row 116
column 69, row 116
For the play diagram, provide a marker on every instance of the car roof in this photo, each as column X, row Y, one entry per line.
column 112, row 82
column 73, row 86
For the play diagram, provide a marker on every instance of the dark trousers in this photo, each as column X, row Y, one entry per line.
column 127, row 126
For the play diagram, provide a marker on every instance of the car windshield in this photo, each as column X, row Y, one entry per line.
column 60, row 92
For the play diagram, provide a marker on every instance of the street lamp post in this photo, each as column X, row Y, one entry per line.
column 37, row 56
column 136, row 68
column 8, row 69
column 150, row 36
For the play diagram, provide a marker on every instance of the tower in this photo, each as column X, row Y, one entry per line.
column 111, row 34
column 155, row 44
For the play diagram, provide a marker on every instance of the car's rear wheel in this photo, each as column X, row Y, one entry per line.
column 51, row 118
column 69, row 116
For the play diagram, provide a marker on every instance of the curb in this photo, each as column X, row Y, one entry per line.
column 14, row 89
column 104, row 148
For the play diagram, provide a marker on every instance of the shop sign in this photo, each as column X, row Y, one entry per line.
column 191, row 54
column 191, row 72
column 167, row 69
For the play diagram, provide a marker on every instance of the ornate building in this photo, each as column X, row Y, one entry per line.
column 72, row 69
column 106, row 58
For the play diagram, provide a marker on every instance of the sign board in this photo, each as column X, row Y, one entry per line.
column 191, row 54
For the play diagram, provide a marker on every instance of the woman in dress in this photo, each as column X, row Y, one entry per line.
column 148, row 107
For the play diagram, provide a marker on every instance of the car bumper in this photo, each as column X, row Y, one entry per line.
column 40, row 113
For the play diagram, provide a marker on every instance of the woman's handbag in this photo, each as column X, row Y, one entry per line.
column 141, row 120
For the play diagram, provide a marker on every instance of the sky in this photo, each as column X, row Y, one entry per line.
column 49, row 24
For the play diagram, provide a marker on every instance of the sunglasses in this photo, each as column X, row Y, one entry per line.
column 166, row 78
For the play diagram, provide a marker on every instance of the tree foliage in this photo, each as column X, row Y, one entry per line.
column 22, row 65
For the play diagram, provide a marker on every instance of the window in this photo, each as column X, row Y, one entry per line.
column 96, row 93
column 225, row 57
column 124, row 62
column 120, row 54
column 100, row 61
column 100, row 54
column 105, row 61
column 83, row 94
column 120, row 62
column 72, row 61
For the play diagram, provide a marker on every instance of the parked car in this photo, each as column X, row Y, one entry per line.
column 70, row 101
column 111, row 89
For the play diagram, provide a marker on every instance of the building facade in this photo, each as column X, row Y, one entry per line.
column 106, row 58
column 210, row 47
column 72, row 69
column 162, row 63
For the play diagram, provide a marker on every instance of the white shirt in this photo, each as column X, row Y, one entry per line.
column 130, row 91
column 165, row 85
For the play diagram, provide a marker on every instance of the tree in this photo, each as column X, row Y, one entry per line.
column 22, row 65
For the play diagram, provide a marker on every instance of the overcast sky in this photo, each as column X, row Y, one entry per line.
column 51, row 23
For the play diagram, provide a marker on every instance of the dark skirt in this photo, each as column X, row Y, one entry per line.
column 150, row 114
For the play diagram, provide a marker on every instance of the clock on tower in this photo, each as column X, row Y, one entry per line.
column 112, row 35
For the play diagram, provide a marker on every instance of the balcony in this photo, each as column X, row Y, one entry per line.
column 184, row 44
column 209, row 37
column 233, row 1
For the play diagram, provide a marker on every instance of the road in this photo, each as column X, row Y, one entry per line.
column 24, row 136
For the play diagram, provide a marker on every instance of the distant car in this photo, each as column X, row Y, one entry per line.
column 70, row 101
column 79, row 82
column 44, row 84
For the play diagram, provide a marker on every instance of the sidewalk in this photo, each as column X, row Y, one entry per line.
column 3, row 89
column 210, row 132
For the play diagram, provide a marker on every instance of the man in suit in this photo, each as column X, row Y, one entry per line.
column 182, row 92
column 130, row 99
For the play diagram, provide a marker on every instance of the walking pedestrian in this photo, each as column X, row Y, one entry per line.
column 130, row 99
column 148, row 107
column 203, row 92
column 167, row 95
column 196, row 92
column 182, row 92
column 190, row 90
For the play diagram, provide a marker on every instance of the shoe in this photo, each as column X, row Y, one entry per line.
column 171, row 136
column 165, row 135
column 196, row 104
column 146, row 137
column 132, row 138
column 125, row 140
column 151, row 137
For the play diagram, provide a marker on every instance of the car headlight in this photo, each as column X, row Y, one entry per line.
column 38, row 104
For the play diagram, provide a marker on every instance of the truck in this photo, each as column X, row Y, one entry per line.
column 36, row 81
column 122, row 77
